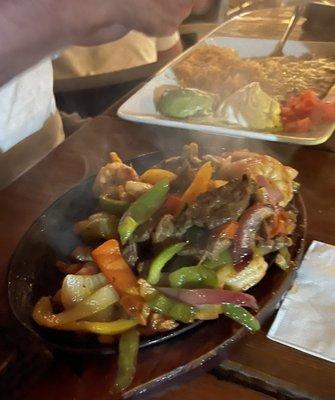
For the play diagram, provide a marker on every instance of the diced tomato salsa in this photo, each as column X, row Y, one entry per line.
column 301, row 113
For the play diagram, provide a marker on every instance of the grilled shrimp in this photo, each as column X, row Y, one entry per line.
column 135, row 188
column 113, row 175
column 237, row 163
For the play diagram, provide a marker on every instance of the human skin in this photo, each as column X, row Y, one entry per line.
column 31, row 30
column 201, row 7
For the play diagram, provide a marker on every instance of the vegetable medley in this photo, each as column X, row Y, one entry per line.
column 182, row 242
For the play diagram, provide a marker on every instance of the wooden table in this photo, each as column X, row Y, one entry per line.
column 256, row 362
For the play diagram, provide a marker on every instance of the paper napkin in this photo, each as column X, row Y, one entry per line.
column 306, row 318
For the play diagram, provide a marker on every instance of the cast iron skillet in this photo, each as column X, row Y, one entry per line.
column 32, row 272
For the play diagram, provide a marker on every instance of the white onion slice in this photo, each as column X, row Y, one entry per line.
column 76, row 288
column 99, row 300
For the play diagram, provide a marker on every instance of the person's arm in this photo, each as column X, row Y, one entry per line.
column 168, row 48
column 202, row 7
column 31, row 30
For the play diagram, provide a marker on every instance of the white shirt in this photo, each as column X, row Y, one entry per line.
column 26, row 102
column 132, row 50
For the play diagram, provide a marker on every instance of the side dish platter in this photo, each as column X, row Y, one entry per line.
column 150, row 250
column 232, row 86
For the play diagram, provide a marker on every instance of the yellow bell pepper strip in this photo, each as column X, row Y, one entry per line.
column 218, row 183
column 128, row 349
column 111, row 263
column 142, row 209
column 193, row 278
column 155, row 175
column 101, row 328
column 172, row 308
column 208, row 311
column 113, row 206
column 198, row 186
column 160, row 261
column 44, row 316
column 99, row 300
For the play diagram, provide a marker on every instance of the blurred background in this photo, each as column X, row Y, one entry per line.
column 89, row 90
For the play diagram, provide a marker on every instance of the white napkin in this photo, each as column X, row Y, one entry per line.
column 306, row 318
column 26, row 102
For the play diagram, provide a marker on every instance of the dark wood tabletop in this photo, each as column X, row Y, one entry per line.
column 256, row 361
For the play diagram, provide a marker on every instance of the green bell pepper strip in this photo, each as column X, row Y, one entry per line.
column 113, row 206
column 142, row 209
column 224, row 258
column 128, row 350
column 172, row 308
column 98, row 226
column 241, row 315
column 160, row 261
column 193, row 278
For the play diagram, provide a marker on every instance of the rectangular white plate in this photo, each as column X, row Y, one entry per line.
column 140, row 107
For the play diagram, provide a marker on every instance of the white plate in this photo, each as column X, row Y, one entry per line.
column 140, row 107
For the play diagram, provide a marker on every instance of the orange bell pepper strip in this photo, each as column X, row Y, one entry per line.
column 279, row 223
column 109, row 259
column 227, row 230
column 199, row 184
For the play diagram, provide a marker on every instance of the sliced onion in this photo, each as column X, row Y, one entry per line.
column 76, row 288
column 105, row 315
column 99, row 300
column 274, row 194
column 197, row 297
column 249, row 224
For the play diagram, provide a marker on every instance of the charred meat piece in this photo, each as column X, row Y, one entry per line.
column 165, row 229
column 130, row 254
column 271, row 245
column 216, row 246
column 82, row 254
column 196, row 239
column 218, row 206
column 158, row 323
column 144, row 231
column 68, row 268
column 190, row 153
column 184, row 166
column 216, row 162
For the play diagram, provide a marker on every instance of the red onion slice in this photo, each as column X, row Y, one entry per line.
column 198, row 297
column 274, row 194
column 249, row 224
